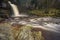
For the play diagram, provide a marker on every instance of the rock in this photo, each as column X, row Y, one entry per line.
column 18, row 32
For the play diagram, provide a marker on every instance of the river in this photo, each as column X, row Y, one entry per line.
column 49, row 25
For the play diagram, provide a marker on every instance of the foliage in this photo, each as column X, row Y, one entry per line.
column 49, row 12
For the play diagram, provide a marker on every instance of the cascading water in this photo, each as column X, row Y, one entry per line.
column 34, row 24
column 15, row 11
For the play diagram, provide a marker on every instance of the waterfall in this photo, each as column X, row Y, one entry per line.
column 15, row 11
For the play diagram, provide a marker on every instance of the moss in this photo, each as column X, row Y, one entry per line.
column 42, row 13
column 26, row 33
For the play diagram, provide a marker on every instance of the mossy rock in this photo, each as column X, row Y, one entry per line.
column 8, row 32
column 26, row 33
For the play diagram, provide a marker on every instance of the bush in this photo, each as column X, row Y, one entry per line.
column 42, row 13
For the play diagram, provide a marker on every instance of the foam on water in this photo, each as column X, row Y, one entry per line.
column 42, row 25
column 16, row 11
column 34, row 22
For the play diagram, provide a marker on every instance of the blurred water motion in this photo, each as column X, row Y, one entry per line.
column 43, row 24
column 16, row 11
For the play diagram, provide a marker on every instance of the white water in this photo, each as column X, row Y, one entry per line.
column 41, row 24
column 36, row 23
column 15, row 10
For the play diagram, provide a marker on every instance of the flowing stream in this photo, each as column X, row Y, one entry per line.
column 42, row 23
column 16, row 11
column 38, row 22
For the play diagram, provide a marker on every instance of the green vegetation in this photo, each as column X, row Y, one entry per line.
column 39, row 7
column 42, row 7
column 44, row 13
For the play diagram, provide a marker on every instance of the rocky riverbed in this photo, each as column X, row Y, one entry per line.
column 50, row 27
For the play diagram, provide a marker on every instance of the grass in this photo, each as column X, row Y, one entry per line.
column 50, row 12
column 19, row 32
